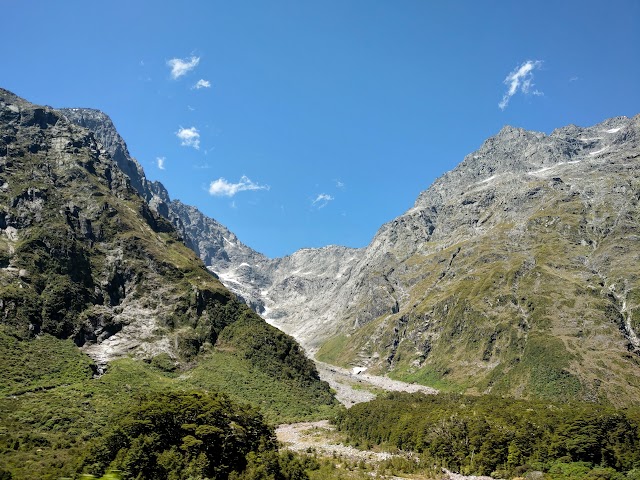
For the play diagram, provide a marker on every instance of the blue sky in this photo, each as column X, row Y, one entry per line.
column 317, row 122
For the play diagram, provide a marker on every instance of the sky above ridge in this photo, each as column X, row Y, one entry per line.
column 301, row 124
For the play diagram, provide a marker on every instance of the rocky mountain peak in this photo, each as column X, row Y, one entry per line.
column 515, row 151
column 101, row 125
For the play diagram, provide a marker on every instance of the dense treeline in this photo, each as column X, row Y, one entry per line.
column 190, row 435
column 481, row 435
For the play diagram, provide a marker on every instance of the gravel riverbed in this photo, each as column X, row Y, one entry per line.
column 352, row 388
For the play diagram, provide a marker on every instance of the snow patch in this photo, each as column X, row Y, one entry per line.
column 487, row 180
column 228, row 277
column 614, row 130
column 553, row 167
column 492, row 177
column 544, row 169
column 598, row 151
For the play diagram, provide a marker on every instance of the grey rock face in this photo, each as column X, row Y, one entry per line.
column 104, row 130
column 493, row 186
column 69, row 170
column 295, row 293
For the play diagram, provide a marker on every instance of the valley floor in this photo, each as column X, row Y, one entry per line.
column 352, row 388
column 322, row 439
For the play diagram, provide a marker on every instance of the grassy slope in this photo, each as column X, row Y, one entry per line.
column 533, row 313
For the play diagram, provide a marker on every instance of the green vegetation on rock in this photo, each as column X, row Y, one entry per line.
column 85, row 262
column 539, row 302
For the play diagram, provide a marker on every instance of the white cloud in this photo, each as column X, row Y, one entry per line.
column 339, row 184
column 202, row 83
column 223, row 188
column 521, row 79
column 160, row 162
column 180, row 67
column 190, row 137
column 321, row 200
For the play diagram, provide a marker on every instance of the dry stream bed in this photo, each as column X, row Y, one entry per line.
column 322, row 439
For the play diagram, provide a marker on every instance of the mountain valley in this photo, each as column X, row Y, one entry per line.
column 514, row 273
column 510, row 286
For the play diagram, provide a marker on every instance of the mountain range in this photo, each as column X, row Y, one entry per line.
column 514, row 273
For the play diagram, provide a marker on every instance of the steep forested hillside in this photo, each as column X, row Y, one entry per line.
column 93, row 281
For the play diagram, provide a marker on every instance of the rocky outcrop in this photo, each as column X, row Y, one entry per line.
column 83, row 256
column 105, row 132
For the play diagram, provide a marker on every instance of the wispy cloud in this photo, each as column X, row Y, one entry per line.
column 321, row 200
column 223, row 188
column 339, row 183
column 182, row 66
column 190, row 137
column 521, row 79
column 202, row 83
column 160, row 162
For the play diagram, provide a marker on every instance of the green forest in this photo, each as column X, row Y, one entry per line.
column 155, row 419
column 501, row 437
